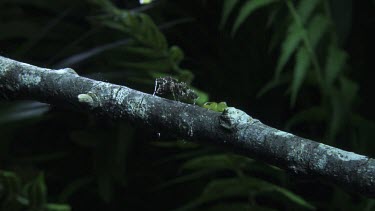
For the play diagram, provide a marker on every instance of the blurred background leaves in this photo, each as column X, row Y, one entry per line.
column 301, row 66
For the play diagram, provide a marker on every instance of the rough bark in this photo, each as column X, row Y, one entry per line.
column 233, row 129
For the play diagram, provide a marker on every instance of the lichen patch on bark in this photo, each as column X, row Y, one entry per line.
column 119, row 95
column 283, row 134
column 341, row 154
column 137, row 107
column 4, row 67
column 30, row 79
column 322, row 162
column 65, row 71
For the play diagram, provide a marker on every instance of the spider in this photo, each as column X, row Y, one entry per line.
column 166, row 86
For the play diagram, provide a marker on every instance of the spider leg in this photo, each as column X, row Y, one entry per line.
column 156, row 87
column 195, row 100
column 172, row 90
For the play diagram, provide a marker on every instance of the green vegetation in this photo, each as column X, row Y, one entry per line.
column 219, row 107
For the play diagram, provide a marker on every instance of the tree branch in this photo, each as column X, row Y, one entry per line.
column 233, row 128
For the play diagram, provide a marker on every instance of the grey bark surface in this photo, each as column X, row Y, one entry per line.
column 232, row 129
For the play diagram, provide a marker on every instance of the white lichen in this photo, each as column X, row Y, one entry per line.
column 4, row 66
column 185, row 124
column 341, row 154
column 137, row 107
column 283, row 134
column 119, row 95
column 190, row 132
column 30, row 79
column 296, row 157
column 322, row 162
column 65, row 71
column 296, row 151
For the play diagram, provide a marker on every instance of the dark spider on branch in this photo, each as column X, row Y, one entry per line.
column 168, row 86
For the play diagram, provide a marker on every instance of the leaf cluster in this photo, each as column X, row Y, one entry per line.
column 16, row 194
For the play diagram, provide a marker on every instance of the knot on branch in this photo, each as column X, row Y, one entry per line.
column 233, row 118
column 66, row 71
column 89, row 99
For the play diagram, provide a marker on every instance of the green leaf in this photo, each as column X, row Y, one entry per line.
column 184, row 179
column 219, row 162
column 145, row 53
column 161, row 65
column 87, row 138
column 305, row 9
column 22, row 111
column 289, row 46
column 341, row 102
column 348, row 90
column 241, row 187
column 104, row 4
column 247, row 9
column 228, row 6
column 365, row 132
column 113, row 25
column 335, row 63
column 57, row 207
column 138, row 26
column 317, row 28
column 150, row 34
column 336, row 117
column 237, row 207
column 313, row 114
column 102, row 166
column 178, row 144
column 284, row 79
column 11, row 184
column 293, row 197
column 36, row 192
column 119, row 152
column 223, row 188
column 74, row 187
column 300, row 69
column 176, row 54
column 184, row 75
column 105, row 186
column 186, row 154
column 32, row 196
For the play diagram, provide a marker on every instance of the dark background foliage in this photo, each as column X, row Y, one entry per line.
column 60, row 155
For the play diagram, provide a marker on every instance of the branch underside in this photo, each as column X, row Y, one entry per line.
column 232, row 129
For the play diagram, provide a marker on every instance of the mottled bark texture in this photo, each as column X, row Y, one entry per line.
column 232, row 129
